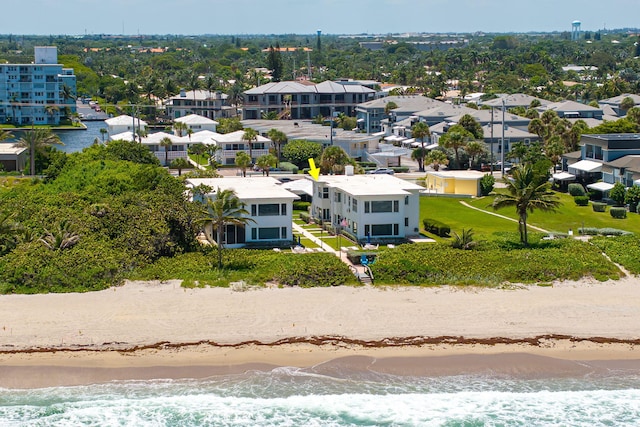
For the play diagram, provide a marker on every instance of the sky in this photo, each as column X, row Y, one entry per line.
column 237, row 17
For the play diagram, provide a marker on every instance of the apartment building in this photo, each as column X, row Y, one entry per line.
column 296, row 100
column 40, row 93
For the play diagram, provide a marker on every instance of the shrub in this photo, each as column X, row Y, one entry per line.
column 633, row 198
column 588, row 231
column 613, row 232
column 576, row 189
column 618, row 212
column 436, row 227
column 301, row 206
column 400, row 169
column 486, row 184
column 290, row 167
column 305, row 217
column 618, row 194
column 599, row 207
column 581, row 200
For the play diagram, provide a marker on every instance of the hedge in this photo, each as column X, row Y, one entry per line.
column 301, row 206
column 581, row 200
column 286, row 166
column 618, row 212
column 436, row 227
column 599, row 207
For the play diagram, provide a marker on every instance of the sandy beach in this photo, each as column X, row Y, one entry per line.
column 148, row 330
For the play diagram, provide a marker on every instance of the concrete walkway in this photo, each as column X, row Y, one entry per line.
column 503, row 217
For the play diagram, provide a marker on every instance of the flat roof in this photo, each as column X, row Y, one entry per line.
column 458, row 174
column 11, row 148
column 369, row 185
column 256, row 187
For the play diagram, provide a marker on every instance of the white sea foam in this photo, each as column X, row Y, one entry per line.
column 287, row 399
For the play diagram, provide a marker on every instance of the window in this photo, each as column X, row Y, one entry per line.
column 396, row 229
column 283, row 232
column 406, row 200
column 326, row 215
column 354, row 204
column 396, row 206
column 367, row 229
column 283, row 209
column 269, row 233
column 354, row 227
column 382, row 206
column 337, row 197
column 367, row 207
column 254, row 210
column 406, row 222
column 325, row 193
column 269, row 209
column 381, row 229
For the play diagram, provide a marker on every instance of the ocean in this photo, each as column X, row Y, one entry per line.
column 299, row 397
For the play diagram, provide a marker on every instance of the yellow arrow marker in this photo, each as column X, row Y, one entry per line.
column 313, row 170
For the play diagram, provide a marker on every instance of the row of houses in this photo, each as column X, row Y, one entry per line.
column 604, row 160
column 368, row 207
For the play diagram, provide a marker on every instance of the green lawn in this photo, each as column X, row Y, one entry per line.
column 569, row 216
column 451, row 212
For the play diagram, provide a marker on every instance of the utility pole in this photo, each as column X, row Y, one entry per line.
column 502, row 141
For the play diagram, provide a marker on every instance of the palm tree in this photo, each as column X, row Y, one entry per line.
column 5, row 134
column 166, row 142
column 436, row 158
column 418, row 155
column 225, row 209
column 278, row 138
column 474, row 149
column 251, row 136
column 266, row 162
column 243, row 161
column 180, row 164
column 179, row 128
column 63, row 237
column 36, row 140
column 420, row 131
column 456, row 138
column 528, row 190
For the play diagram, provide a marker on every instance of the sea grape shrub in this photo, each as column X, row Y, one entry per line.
column 491, row 264
column 312, row 270
column 623, row 250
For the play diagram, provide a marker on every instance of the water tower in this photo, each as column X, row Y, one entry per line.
column 575, row 30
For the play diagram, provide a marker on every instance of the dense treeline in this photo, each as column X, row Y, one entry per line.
column 97, row 219
column 123, row 70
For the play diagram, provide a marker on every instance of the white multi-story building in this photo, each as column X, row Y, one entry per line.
column 368, row 206
column 269, row 206
column 201, row 102
column 39, row 93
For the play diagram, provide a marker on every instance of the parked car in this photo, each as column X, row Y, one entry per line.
column 381, row 171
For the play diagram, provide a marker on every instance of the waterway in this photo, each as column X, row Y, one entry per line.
column 76, row 140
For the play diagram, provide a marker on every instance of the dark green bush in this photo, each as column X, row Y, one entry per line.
column 486, row 184
column 301, row 206
column 436, row 227
column 599, row 207
column 576, row 189
column 618, row 212
column 581, row 200
column 400, row 169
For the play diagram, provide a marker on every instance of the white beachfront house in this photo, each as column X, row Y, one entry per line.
column 370, row 207
column 121, row 124
column 167, row 153
column 232, row 143
column 269, row 204
column 198, row 123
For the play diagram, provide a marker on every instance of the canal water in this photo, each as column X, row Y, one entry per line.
column 76, row 140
